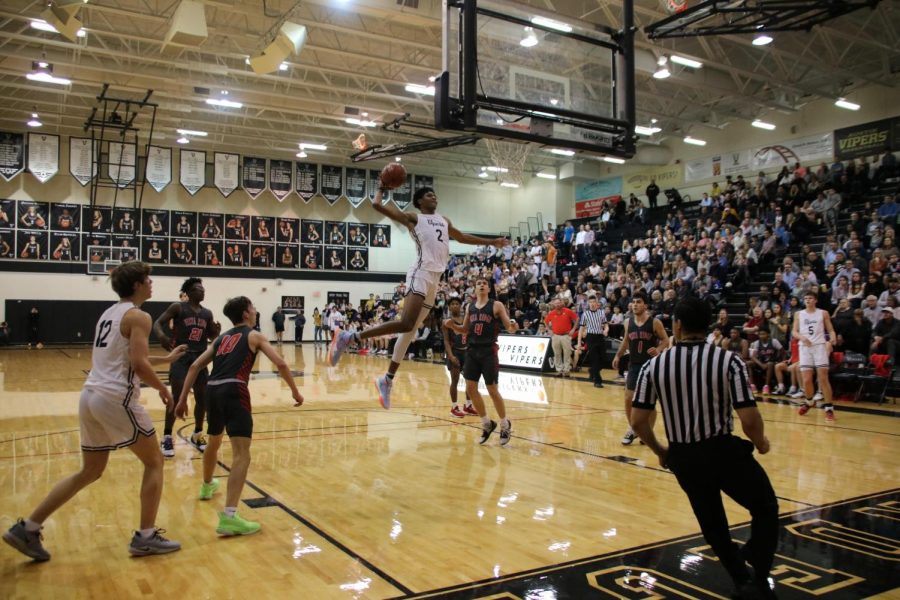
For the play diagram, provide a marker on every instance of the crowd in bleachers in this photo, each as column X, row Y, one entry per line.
column 749, row 248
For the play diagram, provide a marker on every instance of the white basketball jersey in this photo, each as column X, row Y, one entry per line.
column 812, row 326
column 432, row 240
column 110, row 366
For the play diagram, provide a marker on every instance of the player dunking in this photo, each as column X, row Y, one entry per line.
column 194, row 326
column 810, row 326
column 455, row 345
column 646, row 337
column 432, row 234
column 481, row 326
column 111, row 416
column 232, row 355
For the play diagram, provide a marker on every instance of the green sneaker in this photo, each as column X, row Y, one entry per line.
column 236, row 525
column 208, row 489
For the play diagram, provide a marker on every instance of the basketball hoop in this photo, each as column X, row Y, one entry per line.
column 509, row 158
column 674, row 6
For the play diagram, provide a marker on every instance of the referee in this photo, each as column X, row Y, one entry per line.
column 696, row 385
column 592, row 331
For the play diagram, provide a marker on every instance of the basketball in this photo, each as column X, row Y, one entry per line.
column 214, row 261
column 393, row 176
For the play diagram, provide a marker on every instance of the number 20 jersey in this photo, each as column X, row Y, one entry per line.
column 432, row 240
column 110, row 366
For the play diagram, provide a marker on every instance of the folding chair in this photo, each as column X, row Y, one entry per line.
column 845, row 372
column 873, row 385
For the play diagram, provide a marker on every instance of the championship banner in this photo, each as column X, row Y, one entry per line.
column 356, row 186
column 372, row 187
column 82, row 164
column 254, row 176
column 12, row 154
column 122, row 159
column 158, row 170
column 280, row 172
column 192, row 170
column 332, row 184
column 402, row 196
column 306, row 182
column 225, row 172
column 43, row 155
column 665, row 177
column 862, row 140
column 420, row 181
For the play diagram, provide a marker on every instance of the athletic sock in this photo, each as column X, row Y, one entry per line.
column 828, row 406
column 810, row 402
column 32, row 526
column 147, row 533
column 390, row 376
column 454, row 404
column 230, row 511
column 485, row 420
column 504, row 423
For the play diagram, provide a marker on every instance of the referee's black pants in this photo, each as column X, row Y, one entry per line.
column 596, row 347
column 726, row 464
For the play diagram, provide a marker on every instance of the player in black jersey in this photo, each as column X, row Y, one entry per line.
column 644, row 338
column 455, row 347
column 183, row 227
column 193, row 325
column 211, row 229
column 482, row 326
column 31, row 249
column 232, row 355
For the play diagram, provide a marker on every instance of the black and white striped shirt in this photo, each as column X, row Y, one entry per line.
column 593, row 320
column 696, row 384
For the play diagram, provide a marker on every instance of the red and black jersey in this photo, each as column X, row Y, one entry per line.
column 190, row 327
column 640, row 339
column 484, row 327
column 233, row 360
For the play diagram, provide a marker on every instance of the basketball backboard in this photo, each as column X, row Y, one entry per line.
column 512, row 72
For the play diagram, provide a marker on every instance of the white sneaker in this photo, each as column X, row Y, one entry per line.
column 792, row 390
column 167, row 446
column 819, row 396
column 798, row 394
column 779, row 390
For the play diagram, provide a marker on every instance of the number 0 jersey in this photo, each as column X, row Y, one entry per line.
column 232, row 358
column 110, row 366
column 432, row 238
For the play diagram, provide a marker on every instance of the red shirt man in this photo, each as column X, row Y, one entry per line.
column 561, row 320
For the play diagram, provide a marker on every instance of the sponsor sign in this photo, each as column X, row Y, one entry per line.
column 875, row 137
column 523, row 352
column 517, row 387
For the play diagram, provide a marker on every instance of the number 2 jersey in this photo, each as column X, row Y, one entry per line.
column 110, row 365
column 432, row 237
column 232, row 358
column 190, row 327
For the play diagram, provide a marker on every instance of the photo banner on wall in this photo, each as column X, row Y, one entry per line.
column 402, row 196
column 225, row 172
column 254, row 176
column 192, row 170
column 82, row 165
column 12, row 154
column 306, row 180
column 122, row 159
column 875, row 137
column 356, row 186
column 332, row 184
column 43, row 155
column 280, row 172
column 159, row 167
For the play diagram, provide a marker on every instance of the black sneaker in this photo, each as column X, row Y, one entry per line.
column 487, row 430
column 26, row 542
column 505, row 434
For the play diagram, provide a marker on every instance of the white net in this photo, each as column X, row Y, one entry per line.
column 509, row 160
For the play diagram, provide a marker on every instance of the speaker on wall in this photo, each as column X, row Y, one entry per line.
column 62, row 17
column 290, row 40
column 188, row 24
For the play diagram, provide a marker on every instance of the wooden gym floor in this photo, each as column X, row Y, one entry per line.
column 359, row 502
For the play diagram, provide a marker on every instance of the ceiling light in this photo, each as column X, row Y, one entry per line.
column 483, row 175
column 361, row 123
column 763, row 125
column 546, row 175
column 192, row 132
column 561, row 152
column 661, row 73
column 686, row 62
column 695, row 141
column 841, row 102
column 654, row 121
column 508, row 184
column 530, row 39
column 43, row 25
column 415, row 88
column 641, row 130
column 500, row 121
column 182, row 140
column 554, row 101
column 45, row 77
column 35, row 121
column 551, row 24
column 762, row 40
column 495, row 169
column 306, row 146
column 247, row 61
column 302, row 154
column 614, row 160
column 283, row 66
column 223, row 103
column 397, row 159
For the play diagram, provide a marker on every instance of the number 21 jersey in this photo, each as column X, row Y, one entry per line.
column 432, row 240
column 110, row 366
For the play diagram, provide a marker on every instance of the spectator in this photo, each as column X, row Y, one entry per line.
column 4, row 334
column 856, row 335
column 887, row 212
column 886, row 334
column 34, row 328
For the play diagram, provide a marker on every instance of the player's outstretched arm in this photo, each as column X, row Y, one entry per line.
column 460, row 329
column 475, row 240
column 171, row 357
column 392, row 212
column 202, row 361
column 135, row 326
column 258, row 342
